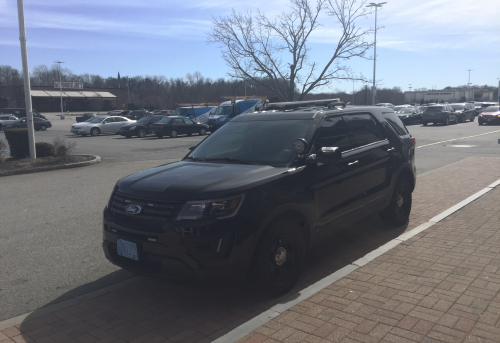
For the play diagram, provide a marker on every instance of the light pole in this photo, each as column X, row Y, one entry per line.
column 468, row 85
column 128, row 93
column 60, row 89
column 372, row 4
column 409, row 96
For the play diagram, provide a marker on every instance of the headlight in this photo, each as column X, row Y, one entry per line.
column 223, row 119
column 211, row 209
column 131, row 128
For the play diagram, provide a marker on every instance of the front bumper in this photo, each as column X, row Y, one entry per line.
column 182, row 253
column 488, row 119
column 80, row 131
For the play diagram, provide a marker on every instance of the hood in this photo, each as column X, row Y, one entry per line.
column 187, row 180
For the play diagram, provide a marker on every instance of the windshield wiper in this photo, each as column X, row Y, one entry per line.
column 193, row 158
column 230, row 159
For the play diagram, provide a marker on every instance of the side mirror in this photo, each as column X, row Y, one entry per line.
column 192, row 147
column 328, row 154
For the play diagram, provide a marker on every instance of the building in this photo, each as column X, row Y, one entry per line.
column 48, row 99
column 450, row 95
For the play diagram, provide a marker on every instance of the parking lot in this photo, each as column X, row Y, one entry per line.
column 54, row 218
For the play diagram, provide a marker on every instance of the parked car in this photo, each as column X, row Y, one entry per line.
column 257, row 193
column 386, row 104
column 100, row 124
column 199, row 114
column 441, row 113
column 6, row 119
column 490, row 115
column 408, row 115
column 229, row 110
column 141, row 128
column 21, row 112
column 138, row 114
column 85, row 117
column 38, row 124
column 174, row 126
column 465, row 111
column 400, row 107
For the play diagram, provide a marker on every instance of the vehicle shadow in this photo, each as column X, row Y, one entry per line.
column 164, row 309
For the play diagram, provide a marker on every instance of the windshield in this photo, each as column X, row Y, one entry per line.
column 432, row 110
column 165, row 120
column 260, row 142
column 405, row 110
column 222, row 110
column 144, row 120
column 457, row 107
column 95, row 120
column 181, row 112
column 492, row 109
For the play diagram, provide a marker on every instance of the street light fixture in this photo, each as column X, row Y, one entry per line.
column 372, row 4
column 60, row 88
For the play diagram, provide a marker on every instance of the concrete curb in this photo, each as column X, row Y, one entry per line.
column 95, row 160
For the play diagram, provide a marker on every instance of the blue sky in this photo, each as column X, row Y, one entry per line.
column 429, row 44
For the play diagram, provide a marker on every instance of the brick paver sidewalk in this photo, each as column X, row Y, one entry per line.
column 442, row 285
column 152, row 310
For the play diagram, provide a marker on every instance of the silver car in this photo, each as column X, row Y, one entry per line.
column 101, row 124
column 6, row 119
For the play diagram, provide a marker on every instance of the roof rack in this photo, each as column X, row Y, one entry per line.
column 309, row 103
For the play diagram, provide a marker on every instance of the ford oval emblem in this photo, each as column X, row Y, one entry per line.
column 133, row 209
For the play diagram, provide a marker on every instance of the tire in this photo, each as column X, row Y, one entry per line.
column 202, row 132
column 447, row 122
column 159, row 135
column 43, row 127
column 141, row 133
column 95, row 131
column 473, row 118
column 279, row 257
column 173, row 134
column 398, row 211
column 425, row 123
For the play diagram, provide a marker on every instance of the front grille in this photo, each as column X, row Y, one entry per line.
column 154, row 213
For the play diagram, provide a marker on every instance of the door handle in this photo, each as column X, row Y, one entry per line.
column 352, row 164
column 390, row 149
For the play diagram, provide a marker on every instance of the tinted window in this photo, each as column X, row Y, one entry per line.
column 188, row 121
column 364, row 130
column 156, row 119
column 178, row 122
column 334, row 132
column 395, row 123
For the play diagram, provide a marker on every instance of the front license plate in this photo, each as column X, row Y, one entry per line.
column 127, row 249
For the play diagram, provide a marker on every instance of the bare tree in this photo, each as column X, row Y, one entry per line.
column 260, row 49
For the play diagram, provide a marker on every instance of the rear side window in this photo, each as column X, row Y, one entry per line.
column 334, row 132
column 395, row 123
column 365, row 130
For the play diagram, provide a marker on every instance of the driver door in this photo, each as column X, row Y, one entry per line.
column 107, row 125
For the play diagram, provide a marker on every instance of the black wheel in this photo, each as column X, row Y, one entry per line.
column 141, row 133
column 159, row 135
column 279, row 257
column 447, row 122
column 43, row 127
column 472, row 118
column 173, row 133
column 398, row 211
column 202, row 132
column 95, row 131
column 425, row 123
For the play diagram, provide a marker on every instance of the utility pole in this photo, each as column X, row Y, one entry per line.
column 468, row 85
column 60, row 89
column 26, row 76
column 372, row 4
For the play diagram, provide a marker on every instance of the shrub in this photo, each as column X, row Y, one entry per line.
column 18, row 142
column 44, row 149
column 62, row 148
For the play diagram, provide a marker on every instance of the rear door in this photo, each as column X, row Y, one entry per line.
column 179, row 126
column 190, row 126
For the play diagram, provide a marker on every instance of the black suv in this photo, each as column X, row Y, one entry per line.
column 435, row 114
column 254, row 195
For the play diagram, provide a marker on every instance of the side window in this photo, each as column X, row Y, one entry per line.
column 178, row 122
column 108, row 120
column 365, row 130
column 155, row 120
column 190, row 113
column 188, row 121
column 334, row 132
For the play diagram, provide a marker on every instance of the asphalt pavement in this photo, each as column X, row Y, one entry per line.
column 50, row 228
